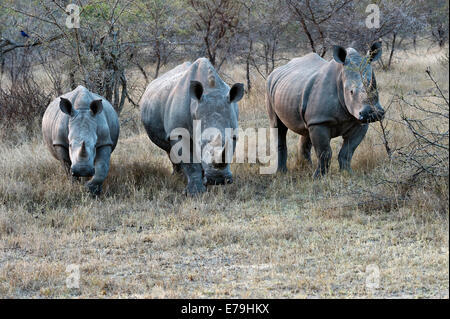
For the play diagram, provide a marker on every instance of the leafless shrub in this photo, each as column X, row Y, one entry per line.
column 417, row 173
column 22, row 100
column 428, row 153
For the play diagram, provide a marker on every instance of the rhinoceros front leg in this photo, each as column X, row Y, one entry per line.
column 275, row 122
column 194, row 175
column 101, row 164
column 320, row 138
column 351, row 142
column 62, row 154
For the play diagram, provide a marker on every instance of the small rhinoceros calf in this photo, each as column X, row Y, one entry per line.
column 81, row 130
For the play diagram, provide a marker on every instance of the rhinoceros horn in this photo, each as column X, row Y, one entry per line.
column 224, row 151
column 221, row 155
column 83, row 152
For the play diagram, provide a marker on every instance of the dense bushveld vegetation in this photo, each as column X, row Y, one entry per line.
column 263, row 236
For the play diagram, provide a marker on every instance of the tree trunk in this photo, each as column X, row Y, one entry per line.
column 441, row 37
column 141, row 68
column 158, row 58
column 249, row 56
column 2, row 67
column 72, row 80
column 124, row 92
column 391, row 55
column 158, row 66
column 266, row 58
column 272, row 57
column 308, row 34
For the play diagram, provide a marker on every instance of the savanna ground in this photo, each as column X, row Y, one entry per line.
column 264, row 236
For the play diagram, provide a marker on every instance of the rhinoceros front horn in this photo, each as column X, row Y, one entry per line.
column 83, row 152
column 223, row 153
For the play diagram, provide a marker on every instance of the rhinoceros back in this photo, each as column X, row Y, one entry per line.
column 289, row 87
column 286, row 83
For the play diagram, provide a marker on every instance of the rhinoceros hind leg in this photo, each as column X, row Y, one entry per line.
column 275, row 122
column 282, row 147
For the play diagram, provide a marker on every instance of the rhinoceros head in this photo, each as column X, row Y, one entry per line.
column 82, row 136
column 358, row 84
column 217, row 112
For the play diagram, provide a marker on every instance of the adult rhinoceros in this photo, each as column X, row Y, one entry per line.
column 189, row 93
column 81, row 129
column 320, row 100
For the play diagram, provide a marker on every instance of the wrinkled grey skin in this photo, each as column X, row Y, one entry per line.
column 321, row 100
column 192, row 91
column 81, row 129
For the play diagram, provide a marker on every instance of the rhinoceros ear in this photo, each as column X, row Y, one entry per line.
column 66, row 106
column 236, row 93
column 96, row 107
column 339, row 54
column 375, row 51
column 196, row 90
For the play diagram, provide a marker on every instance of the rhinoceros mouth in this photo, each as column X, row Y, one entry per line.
column 213, row 176
column 219, row 180
column 82, row 171
column 371, row 117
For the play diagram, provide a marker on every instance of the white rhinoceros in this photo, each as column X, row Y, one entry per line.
column 320, row 100
column 193, row 92
column 81, row 130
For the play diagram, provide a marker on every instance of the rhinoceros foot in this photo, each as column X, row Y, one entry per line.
column 94, row 188
column 194, row 189
column 318, row 174
column 346, row 172
column 282, row 169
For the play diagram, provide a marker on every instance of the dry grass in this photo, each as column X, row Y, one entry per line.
column 281, row 236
